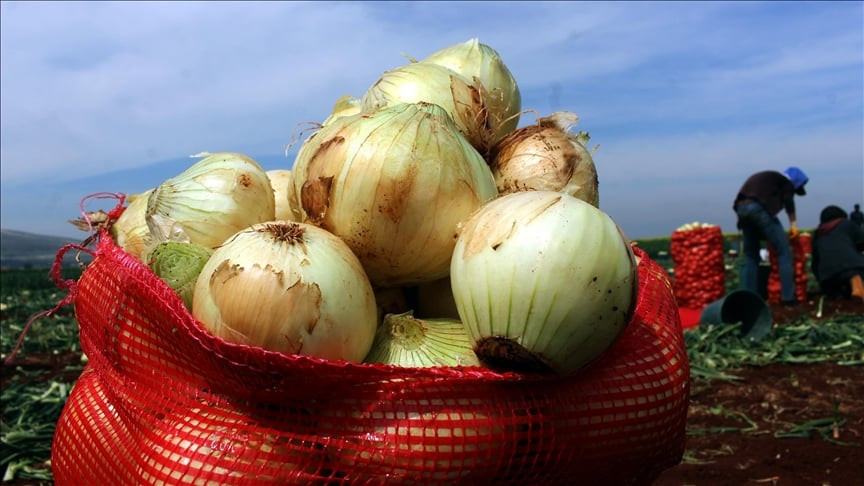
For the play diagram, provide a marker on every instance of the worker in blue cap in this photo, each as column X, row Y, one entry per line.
column 760, row 199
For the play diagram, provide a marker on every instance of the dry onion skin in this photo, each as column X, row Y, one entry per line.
column 393, row 185
column 288, row 287
column 543, row 282
column 287, row 206
column 216, row 197
column 546, row 156
column 477, row 61
column 405, row 340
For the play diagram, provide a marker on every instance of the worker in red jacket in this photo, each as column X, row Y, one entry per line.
column 836, row 260
column 762, row 196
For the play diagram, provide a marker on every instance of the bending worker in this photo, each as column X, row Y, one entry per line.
column 762, row 196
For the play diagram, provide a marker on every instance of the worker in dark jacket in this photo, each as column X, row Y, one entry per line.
column 762, row 196
column 837, row 261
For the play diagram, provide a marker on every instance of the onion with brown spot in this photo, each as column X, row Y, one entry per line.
column 288, row 287
column 543, row 282
column 393, row 185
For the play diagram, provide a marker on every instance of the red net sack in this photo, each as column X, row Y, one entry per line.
column 700, row 271
column 164, row 402
column 801, row 247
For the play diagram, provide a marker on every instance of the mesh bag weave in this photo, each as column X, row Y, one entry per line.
column 700, row 271
column 163, row 402
column 801, row 248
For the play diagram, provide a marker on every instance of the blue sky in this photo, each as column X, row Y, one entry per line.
column 684, row 99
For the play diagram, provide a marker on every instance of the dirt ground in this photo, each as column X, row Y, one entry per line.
column 772, row 400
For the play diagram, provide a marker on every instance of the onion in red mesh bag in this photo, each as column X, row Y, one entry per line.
column 288, row 287
column 211, row 200
column 405, row 340
column 225, row 447
column 546, row 157
column 438, row 442
column 543, row 281
column 393, row 185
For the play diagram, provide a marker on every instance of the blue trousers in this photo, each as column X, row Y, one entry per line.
column 756, row 225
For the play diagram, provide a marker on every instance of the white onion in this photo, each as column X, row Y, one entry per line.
column 288, row 287
column 194, row 446
column 393, row 185
column 405, row 340
column 211, row 200
column 436, row 84
column 542, row 281
column 130, row 231
column 475, row 60
column 546, row 157
column 287, row 206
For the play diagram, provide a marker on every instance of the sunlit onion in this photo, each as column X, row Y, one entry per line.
column 475, row 60
column 130, row 231
column 288, row 287
column 285, row 197
column 405, row 340
column 393, row 185
column 436, row 84
column 211, row 200
column 546, row 156
column 543, row 281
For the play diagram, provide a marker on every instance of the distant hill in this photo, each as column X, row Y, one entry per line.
column 19, row 249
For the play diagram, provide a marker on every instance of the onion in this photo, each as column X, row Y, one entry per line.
column 287, row 206
column 202, row 447
column 344, row 106
column 178, row 265
column 288, row 287
column 130, row 231
column 211, row 200
column 405, row 340
column 436, row 84
column 546, row 157
column 93, row 431
column 542, row 281
column 393, row 185
column 474, row 60
column 439, row 441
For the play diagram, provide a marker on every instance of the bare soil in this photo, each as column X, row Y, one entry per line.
column 733, row 427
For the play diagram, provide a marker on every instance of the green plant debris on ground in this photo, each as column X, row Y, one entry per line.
column 715, row 350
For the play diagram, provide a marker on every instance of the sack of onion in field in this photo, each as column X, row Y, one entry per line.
column 166, row 402
column 431, row 295
column 800, row 249
column 699, row 267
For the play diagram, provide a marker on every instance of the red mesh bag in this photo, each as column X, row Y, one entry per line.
column 801, row 247
column 164, row 402
column 700, row 269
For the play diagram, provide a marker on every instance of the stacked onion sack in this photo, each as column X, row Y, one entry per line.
column 430, row 295
column 700, row 272
column 801, row 248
